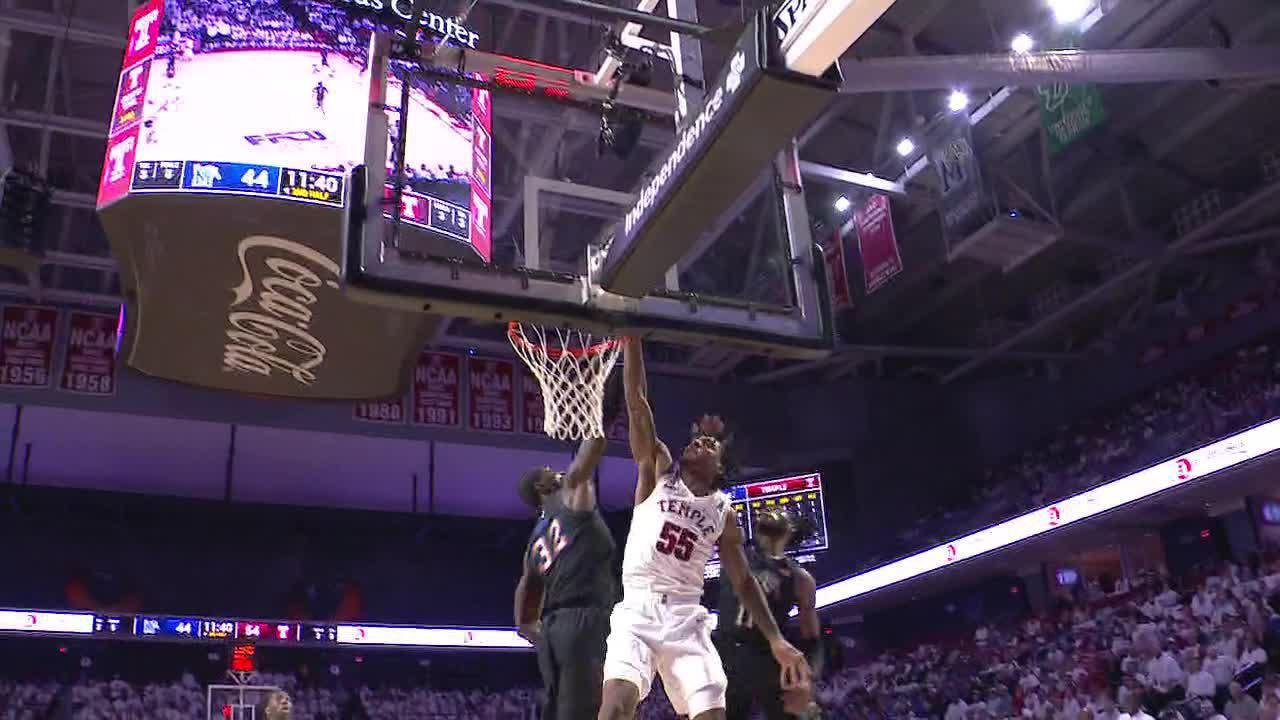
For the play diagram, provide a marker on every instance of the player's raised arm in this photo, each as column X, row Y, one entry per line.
column 578, row 479
column 733, row 563
column 651, row 456
column 528, row 605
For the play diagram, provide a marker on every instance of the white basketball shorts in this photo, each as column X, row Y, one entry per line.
column 652, row 632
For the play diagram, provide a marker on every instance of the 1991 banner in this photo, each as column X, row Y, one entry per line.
column 436, row 393
column 26, row 350
column 90, row 365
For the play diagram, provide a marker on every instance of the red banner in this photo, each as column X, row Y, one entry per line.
column 531, row 402
column 877, row 244
column 436, row 394
column 616, row 430
column 26, row 350
column 492, row 394
column 837, row 277
column 90, row 364
column 380, row 411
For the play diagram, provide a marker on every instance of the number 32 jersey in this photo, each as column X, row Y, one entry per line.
column 673, row 533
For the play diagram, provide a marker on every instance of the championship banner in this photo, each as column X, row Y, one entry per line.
column 492, row 394
column 379, row 411
column 837, row 276
column 618, row 429
column 964, row 205
column 877, row 244
column 532, row 417
column 436, row 393
column 1069, row 112
column 90, row 364
column 27, row 347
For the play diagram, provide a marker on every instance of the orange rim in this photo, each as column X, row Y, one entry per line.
column 516, row 333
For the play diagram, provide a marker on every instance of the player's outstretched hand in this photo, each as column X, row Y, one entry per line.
column 795, row 668
column 709, row 425
column 531, row 632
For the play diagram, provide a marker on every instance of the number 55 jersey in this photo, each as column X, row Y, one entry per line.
column 660, row 626
column 673, row 533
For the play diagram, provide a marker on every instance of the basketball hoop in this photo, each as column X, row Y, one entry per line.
column 572, row 368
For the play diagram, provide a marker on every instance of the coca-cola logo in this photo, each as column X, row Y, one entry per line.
column 272, row 309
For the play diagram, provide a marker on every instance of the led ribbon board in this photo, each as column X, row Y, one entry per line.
column 736, row 134
column 1202, row 462
column 269, row 632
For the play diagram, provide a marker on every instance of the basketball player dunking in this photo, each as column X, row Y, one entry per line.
column 660, row 625
column 567, row 587
column 753, row 673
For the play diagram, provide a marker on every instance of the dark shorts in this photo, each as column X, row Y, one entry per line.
column 754, row 679
column 571, row 660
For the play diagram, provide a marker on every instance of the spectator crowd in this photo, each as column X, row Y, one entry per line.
column 1230, row 396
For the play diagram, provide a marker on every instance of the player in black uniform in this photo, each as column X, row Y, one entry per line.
column 320, row 92
column 754, row 676
column 567, row 589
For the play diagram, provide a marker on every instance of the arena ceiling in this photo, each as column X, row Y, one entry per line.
column 1172, row 194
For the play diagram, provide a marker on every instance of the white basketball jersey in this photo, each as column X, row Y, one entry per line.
column 673, row 533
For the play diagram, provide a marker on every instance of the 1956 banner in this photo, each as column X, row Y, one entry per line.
column 436, row 392
column 492, row 394
column 530, row 403
column 27, row 347
column 90, row 364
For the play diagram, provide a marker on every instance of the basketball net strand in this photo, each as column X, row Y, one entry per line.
column 572, row 369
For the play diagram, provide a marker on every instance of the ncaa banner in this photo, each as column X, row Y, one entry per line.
column 27, row 346
column 837, row 277
column 877, row 244
column 89, row 367
column 437, row 396
column 964, row 203
column 531, row 402
column 492, row 396
column 617, row 429
column 379, row 411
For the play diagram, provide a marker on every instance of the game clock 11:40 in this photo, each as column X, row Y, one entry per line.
column 311, row 185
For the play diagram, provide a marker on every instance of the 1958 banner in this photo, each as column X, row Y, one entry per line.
column 530, row 403
column 492, row 394
column 90, row 364
column 27, row 346
column 436, row 393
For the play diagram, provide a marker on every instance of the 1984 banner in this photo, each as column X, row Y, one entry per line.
column 26, row 350
column 436, row 394
column 493, row 398
column 90, row 365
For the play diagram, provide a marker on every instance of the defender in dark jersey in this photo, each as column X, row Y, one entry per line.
column 754, row 676
column 567, row 588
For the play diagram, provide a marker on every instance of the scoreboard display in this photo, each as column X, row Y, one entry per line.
column 800, row 496
column 272, row 100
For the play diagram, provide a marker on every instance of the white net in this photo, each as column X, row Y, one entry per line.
column 572, row 369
